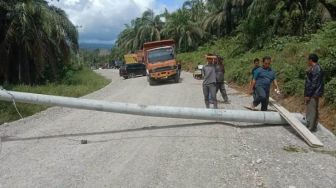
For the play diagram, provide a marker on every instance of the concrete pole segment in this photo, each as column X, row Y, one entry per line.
column 145, row 110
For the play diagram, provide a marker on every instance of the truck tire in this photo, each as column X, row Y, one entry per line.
column 125, row 77
column 151, row 82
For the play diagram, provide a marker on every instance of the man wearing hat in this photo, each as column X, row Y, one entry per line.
column 209, row 82
column 314, row 89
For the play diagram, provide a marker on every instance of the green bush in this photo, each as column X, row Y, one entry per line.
column 328, row 65
column 288, row 73
column 330, row 92
column 238, row 73
column 293, row 87
column 253, row 33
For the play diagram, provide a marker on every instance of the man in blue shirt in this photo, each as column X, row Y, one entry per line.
column 262, row 79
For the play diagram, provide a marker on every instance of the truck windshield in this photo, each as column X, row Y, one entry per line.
column 159, row 55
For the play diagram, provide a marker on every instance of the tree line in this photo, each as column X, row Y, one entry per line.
column 37, row 41
column 253, row 22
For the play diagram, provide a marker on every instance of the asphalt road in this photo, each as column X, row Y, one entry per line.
column 45, row 150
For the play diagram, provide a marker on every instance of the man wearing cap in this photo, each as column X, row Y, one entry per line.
column 262, row 79
column 209, row 82
column 314, row 89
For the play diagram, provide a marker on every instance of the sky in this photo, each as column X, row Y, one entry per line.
column 100, row 21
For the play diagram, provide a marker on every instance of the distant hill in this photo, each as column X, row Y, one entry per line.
column 104, row 52
column 93, row 46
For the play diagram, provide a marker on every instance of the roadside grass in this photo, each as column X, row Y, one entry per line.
column 298, row 149
column 326, row 152
column 289, row 55
column 81, row 82
column 294, row 149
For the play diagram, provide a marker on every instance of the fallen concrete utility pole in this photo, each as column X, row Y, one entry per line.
column 311, row 139
column 144, row 110
column 154, row 111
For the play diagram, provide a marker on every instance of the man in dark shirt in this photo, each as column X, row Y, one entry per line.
column 220, row 79
column 256, row 63
column 179, row 69
column 262, row 79
column 209, row 82
column 314, row 89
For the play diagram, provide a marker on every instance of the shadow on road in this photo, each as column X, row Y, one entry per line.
column 9, row 138
column 166, row 82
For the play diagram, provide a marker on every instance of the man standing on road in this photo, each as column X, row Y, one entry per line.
column 256, row 63
column 220, row 70
column 209, row 82
column 262, row 80
column 314, row 88
column 179, row 68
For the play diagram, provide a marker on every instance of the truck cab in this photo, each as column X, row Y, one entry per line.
column 160, row 60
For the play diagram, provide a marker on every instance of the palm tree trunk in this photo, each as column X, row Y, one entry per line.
column 26, row 71
column 330, row 7
column 19, row 66
column 228, row 18
column 6, row 72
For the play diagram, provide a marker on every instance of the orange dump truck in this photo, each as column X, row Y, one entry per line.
column 140, row 56
column 159, row 57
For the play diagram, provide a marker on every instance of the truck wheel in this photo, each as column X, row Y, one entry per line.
column 151, row 82
column 125, row 77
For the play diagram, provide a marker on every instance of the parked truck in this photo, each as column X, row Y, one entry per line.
column 133, row 66
column 159, row 57
column 130, row 58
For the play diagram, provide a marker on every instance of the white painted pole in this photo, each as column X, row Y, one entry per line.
column 144, row 110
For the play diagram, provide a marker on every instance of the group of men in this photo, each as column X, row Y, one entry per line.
column 213, row 74
column 260, row 85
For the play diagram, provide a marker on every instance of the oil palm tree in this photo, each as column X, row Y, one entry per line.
column 197, row 9
column 148, row 28
column 224, row 15
column 143, row 29
column 126, row 38
column 183, row 30
column 34, row 37
column 292, row 17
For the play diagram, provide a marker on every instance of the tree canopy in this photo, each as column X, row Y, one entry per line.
column 36, row 41
column 199, row 21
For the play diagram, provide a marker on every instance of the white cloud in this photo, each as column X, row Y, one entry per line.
column 102, row 20
column 71, row 2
